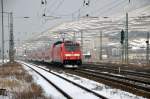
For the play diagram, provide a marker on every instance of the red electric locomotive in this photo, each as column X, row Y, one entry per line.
column 67, row 53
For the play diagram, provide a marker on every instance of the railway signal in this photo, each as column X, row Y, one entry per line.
column 147, row 49
column 122, row 37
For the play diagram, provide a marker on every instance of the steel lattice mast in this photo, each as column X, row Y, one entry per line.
column 11, row 40
column 2, row 32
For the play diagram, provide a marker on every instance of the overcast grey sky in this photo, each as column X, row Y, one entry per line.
column 66, row 10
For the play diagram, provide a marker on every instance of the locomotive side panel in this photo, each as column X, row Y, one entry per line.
column 56, row 53
column 66, row 53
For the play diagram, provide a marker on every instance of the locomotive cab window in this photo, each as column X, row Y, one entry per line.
column 72, row 46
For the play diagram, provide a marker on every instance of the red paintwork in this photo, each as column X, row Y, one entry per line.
column 59, row 51
column 56, row 53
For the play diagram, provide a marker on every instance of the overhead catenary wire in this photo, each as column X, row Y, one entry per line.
column 104, row 6
column 78, row 11
column 57, row 7
column 50, row 6
column 110, row 8
column 60, row 16
column 116, row 6
column 44, row 12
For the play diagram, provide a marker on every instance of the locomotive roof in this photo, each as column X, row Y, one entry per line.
column 60, row 42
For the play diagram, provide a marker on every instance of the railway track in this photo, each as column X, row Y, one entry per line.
column 139, row 85
column 55, row 86
column 134, row 84
column 65, row 94
column 139, row 76
column 118, row 70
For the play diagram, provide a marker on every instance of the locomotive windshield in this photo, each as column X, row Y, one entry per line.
column 72, row 46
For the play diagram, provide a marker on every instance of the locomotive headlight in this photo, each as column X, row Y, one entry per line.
column 67, row 54
column 76, row 54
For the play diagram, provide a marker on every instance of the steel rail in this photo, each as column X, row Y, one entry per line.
column 60, row 90
column 114, row 78
column 141, row 74
column 122, row 77
column 78, row 85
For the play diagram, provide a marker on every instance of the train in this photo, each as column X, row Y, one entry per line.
column 63, row 53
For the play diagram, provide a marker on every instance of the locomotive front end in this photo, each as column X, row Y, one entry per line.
column 72, row 54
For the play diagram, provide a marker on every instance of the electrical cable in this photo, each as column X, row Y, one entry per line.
column 112, row 7
column 101, row 8
column 110, row 10
column 57, row 7
column 51, row 6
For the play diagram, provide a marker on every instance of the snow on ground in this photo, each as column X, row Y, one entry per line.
column 102, row 89
column 74, row 91
column 4, row 97
column 108, row 73
column 49, row 90
column 5, row 61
